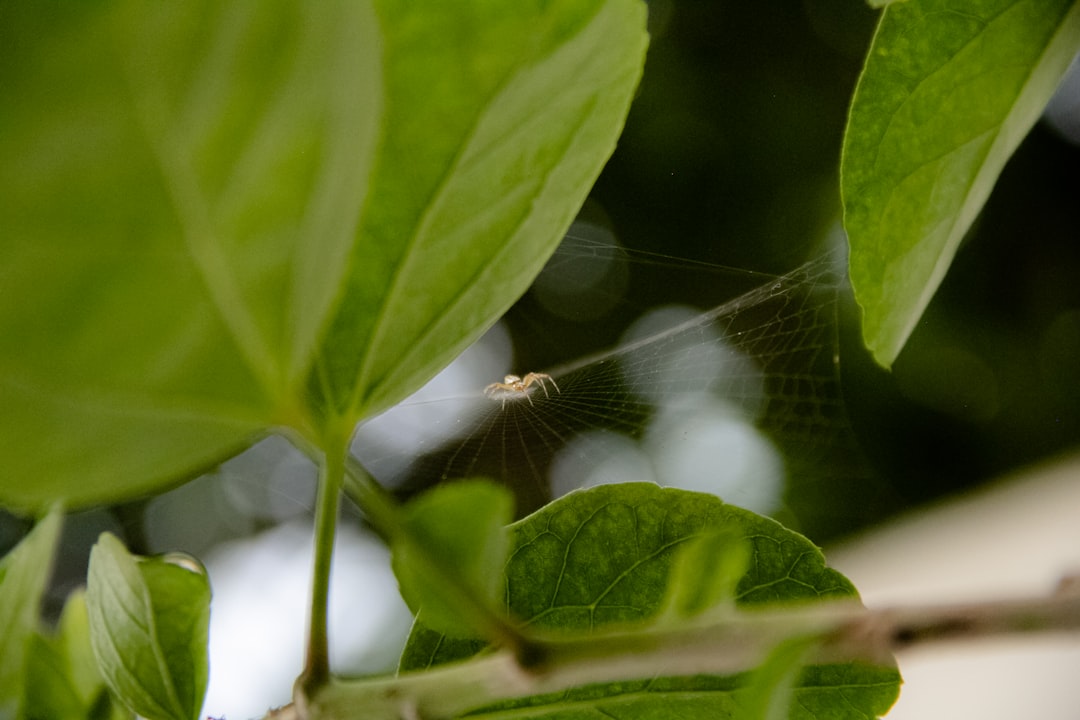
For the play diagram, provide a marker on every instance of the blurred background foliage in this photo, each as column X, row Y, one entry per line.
column 730, row 157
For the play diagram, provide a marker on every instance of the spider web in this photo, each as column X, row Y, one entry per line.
column 742, row 400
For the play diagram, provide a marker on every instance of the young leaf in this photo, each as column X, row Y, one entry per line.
column 48, row 691
column 24, row 573
column 62, row 679
column 498, row 117
column 948, row 92
column 771, row 686
column 605, row 557
column 705, row 572
column 461, row 526
column 149, row 621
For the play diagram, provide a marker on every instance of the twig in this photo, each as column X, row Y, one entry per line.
column 716, row 644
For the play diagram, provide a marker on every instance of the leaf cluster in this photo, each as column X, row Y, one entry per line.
column 221, row 221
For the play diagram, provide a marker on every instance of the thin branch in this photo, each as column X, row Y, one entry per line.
column 718, row 644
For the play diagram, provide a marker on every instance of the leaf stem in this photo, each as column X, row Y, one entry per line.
column 379, row 507
column 331, row 478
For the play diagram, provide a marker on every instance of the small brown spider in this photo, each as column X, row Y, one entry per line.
column 513, row 387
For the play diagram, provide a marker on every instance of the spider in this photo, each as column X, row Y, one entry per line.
column 513, row 386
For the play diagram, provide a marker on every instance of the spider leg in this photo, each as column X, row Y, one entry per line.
column 542, row 379
column 535, row 379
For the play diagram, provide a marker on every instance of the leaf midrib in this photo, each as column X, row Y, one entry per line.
column 464, row 152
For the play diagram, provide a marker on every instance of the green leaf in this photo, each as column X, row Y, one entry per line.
column 179, row 188
column 461, row 527
column 498, row 118
column 948, row 92
column 200, row 201
column 62, row 676
column 605, row 557
column 705, row 572
column 24, row 573
column 149, row 621
column 771, row 686
column 48, row 687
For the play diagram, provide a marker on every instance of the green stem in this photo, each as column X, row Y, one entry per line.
column 378, row 506
column 317, row 663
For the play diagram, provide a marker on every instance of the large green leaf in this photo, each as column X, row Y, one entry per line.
column 949, row 90
column 180, row 184
column 192, row 192
column 498, row 118
column 605, row 557
column 149, row 624
column 24, row 573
